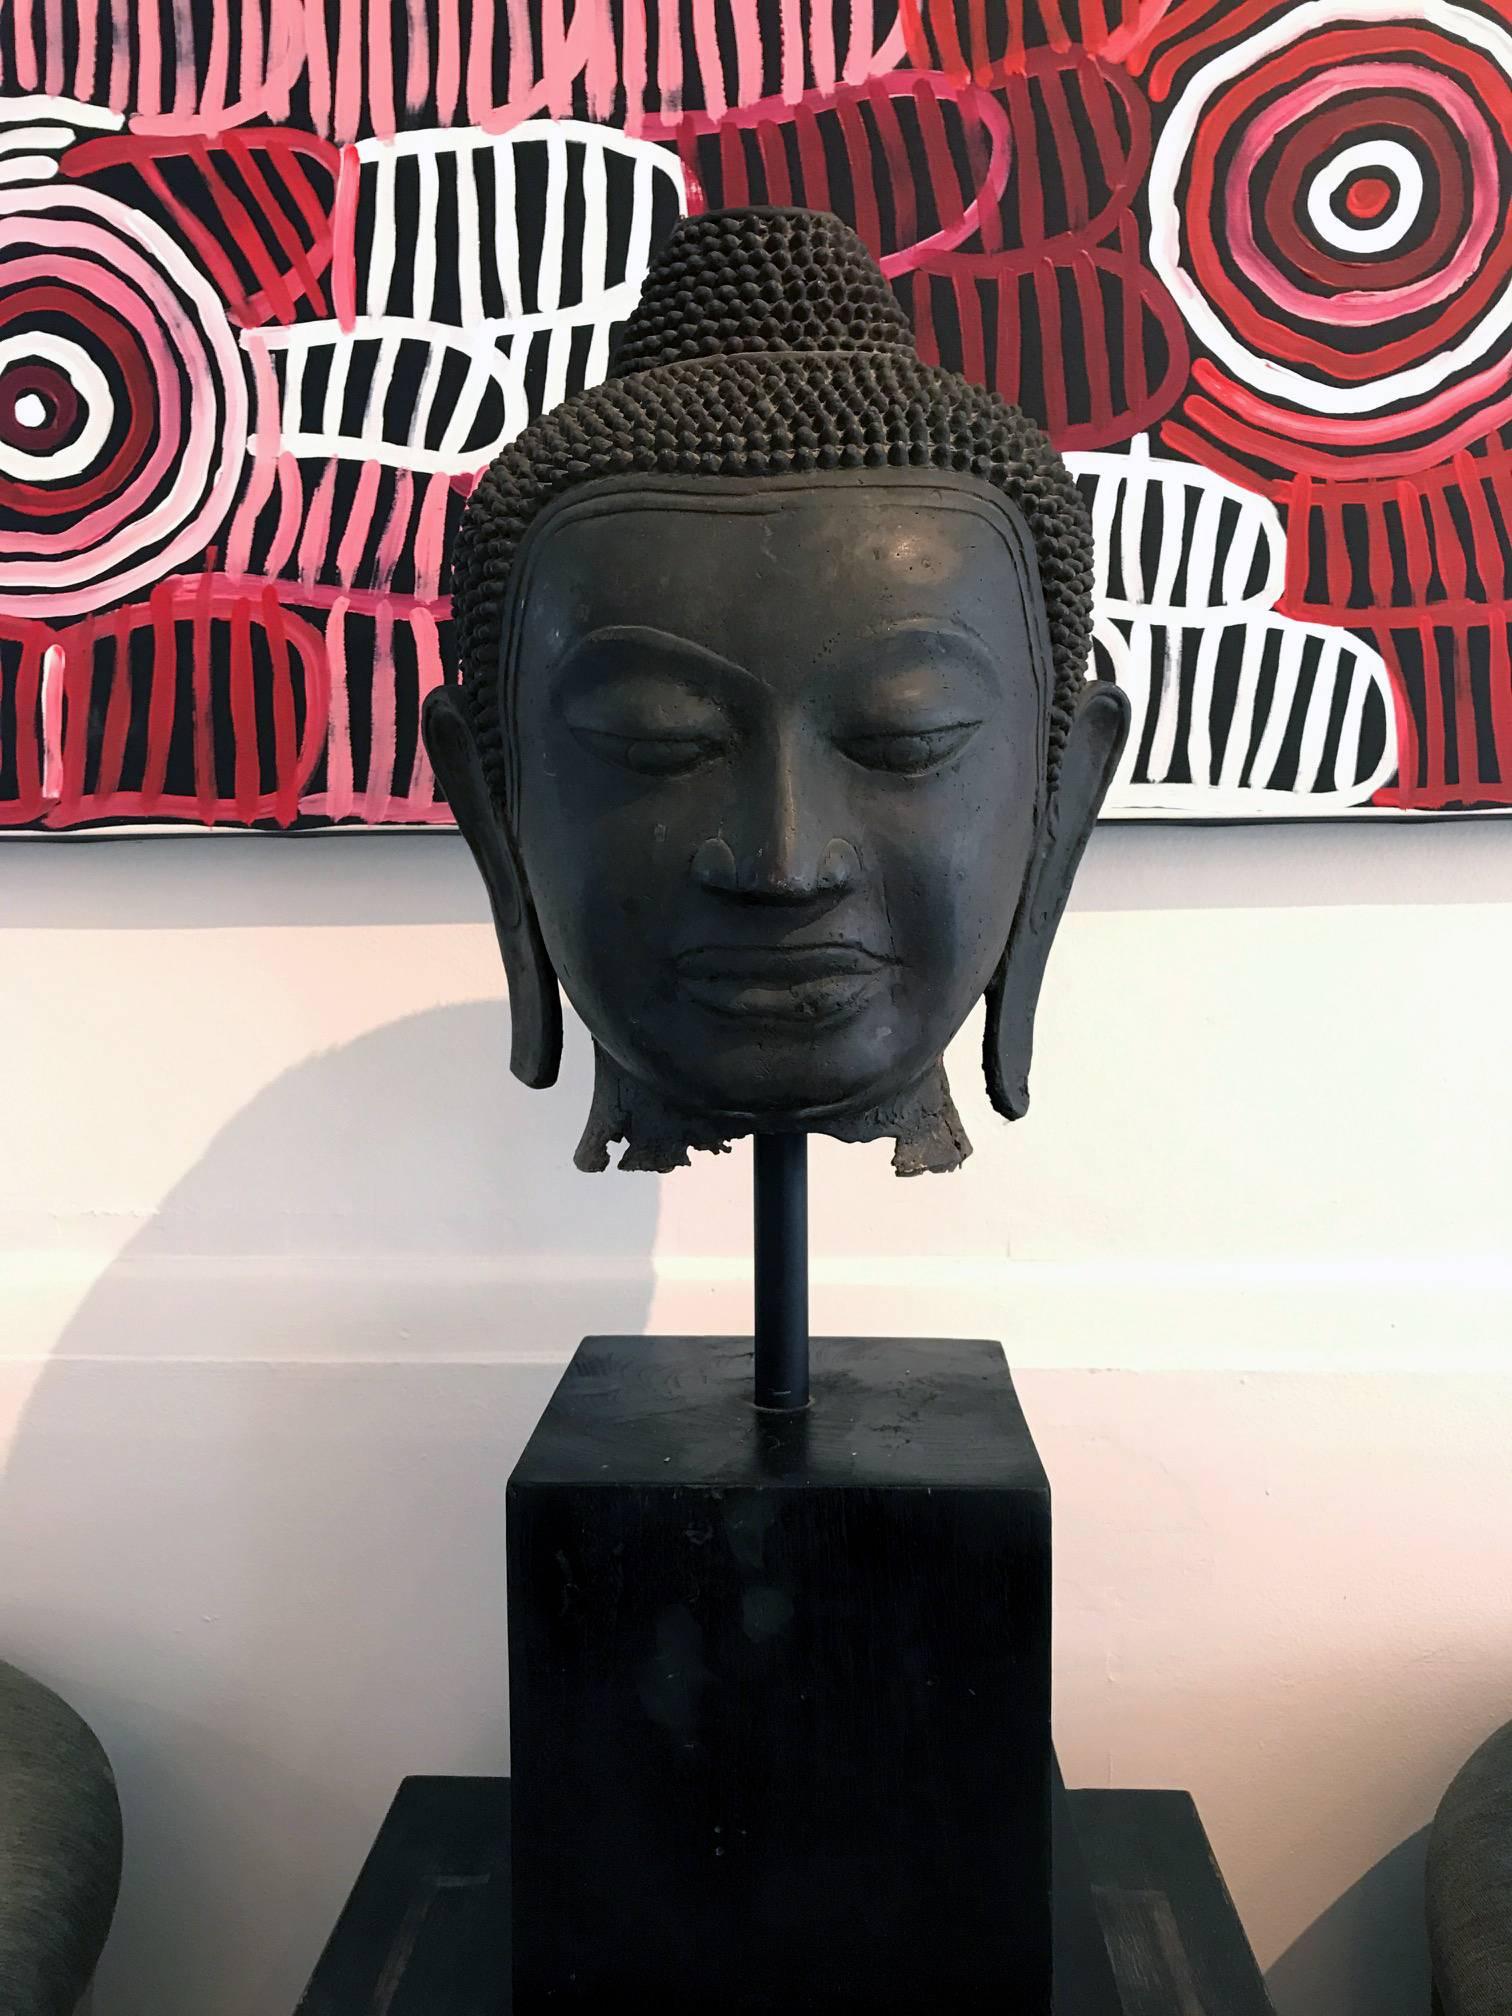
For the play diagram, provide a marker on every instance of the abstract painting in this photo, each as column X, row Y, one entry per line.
column 279, row 277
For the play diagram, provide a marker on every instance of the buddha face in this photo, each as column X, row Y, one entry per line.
column 778, row 751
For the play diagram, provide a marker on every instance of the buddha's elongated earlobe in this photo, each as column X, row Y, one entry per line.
column 535, row 1003
column 1086, row 769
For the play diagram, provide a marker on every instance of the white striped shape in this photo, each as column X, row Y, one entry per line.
column 440, row 168
column 1160, row 638
column 498, row 350
column 372, row 350
column 1130, row 486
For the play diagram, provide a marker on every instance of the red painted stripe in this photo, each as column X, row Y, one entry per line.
column 205, row 243
column 1485, row 547
column 969, row 318
column 77, row 673
column 244, row 710
column 1097, row 366
column 1047, row 296
column 204, row 714
column 950, row 202
column 1008, row 358
column 732, row 168
column 162, row 694
column 980, row 51
column 896, row 162
column 948, row 41
column 811, row 159
column 28, row 696
column 925, row 340
column 858, row 152
column 774, row 162
column 118, row 707
column 287, row 237
column 1053, row 93
column 285, row 755
column 1031, row 207
column 915, row 38
column 241, row 230
column 1501, row 701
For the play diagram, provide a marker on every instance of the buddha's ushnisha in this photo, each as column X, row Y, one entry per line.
column 774, row 741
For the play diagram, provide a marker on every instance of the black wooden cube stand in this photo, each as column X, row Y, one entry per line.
column 780, row 1687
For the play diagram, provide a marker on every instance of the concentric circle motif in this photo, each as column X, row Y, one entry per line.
column 123, row 402
column 1381, row 186
column 1329, row 204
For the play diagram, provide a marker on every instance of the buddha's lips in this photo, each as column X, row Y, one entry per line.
column 781, row 983
column 785, row 963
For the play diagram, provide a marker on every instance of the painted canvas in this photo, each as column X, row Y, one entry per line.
column 279, row 277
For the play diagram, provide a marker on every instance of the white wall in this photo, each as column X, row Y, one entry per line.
column 287, row 1263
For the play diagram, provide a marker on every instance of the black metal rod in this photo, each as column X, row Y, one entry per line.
column 782, row 1333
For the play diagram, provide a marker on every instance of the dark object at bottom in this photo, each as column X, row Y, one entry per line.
column 60, row 1849
column 1470, row 1886
column 426, row 1930
column 779, row 1686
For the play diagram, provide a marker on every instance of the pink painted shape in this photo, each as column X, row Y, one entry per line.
column 383, row 744
column 23, row 27
column 148, row 83
column 212, row 105
column 88, row 49
column 430, row 673
column 340, row 784
column 710, row 64
column 448, row 60
column 380, row 67
column 186, row 97
column 54, row 662
column 318, row 67
column 359, row 524
column 262, row 461
column 344, row 239
column 395, row 534
column 480, row 56
column 52, row 47
column 417, row 16
column 430, row 536
column 315, row 537
column 290, row 514
column 601, row 67
column 348, row 55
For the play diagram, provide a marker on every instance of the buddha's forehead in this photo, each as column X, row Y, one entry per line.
column 764, row 571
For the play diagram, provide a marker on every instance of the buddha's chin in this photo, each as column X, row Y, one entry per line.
column 660, row 1125
column 770, row 1076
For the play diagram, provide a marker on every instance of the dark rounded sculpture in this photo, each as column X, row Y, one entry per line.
column 1469, row 1886
column 774, row 742
column 60, row 1849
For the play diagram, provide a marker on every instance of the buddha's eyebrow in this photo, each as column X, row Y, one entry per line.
column 659, row 643
column 953, row 631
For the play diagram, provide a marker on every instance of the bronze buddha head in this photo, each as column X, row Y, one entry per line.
column 774, row 742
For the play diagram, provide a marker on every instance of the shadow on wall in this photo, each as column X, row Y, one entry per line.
column 252, row 1518
column 1368, row 1953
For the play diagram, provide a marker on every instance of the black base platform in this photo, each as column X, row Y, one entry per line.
column 426, row 1930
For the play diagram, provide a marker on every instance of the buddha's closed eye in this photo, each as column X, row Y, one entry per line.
column 650, row 753
column 909, row 752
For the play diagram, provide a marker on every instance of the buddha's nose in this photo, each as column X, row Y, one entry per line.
column 766, row 875
column 782, row 846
